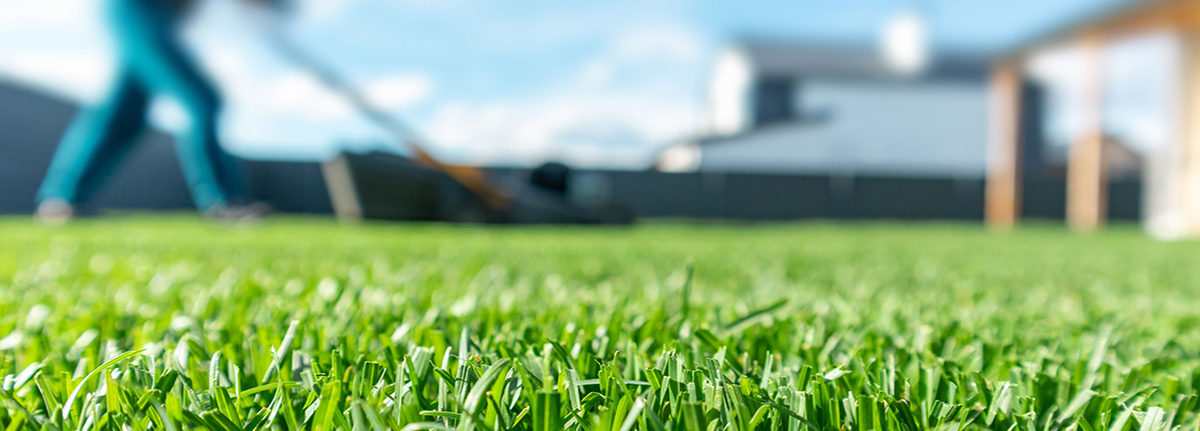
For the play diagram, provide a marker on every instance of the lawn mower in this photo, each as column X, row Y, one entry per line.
column 380, row 185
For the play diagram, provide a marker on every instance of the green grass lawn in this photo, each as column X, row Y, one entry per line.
column 172, row 324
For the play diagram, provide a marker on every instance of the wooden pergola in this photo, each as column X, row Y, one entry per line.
column 1087, row 200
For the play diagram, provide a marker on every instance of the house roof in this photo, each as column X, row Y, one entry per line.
column 850, row 61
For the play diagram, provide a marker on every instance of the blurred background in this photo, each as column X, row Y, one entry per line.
column 996, row 110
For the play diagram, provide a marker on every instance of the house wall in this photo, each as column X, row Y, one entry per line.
column 928, row 129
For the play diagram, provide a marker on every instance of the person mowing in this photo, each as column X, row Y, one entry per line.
column 151, row 61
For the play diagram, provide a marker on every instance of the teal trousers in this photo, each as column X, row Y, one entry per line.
column 151, row 61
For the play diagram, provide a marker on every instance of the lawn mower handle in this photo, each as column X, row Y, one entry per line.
column 473, row 178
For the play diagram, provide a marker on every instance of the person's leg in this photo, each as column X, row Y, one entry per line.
column 95, row 143
column 160, row 62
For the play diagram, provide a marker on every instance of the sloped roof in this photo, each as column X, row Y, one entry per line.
column 850, row 61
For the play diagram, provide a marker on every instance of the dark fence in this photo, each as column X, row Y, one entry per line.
column 31, row 125
column 790, row 197
column 296, row 187
column 149, row 178
column 787, row 197
column 1045, row 198
column 290, row 187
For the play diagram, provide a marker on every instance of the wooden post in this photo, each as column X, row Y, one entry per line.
column 343, row 193
column 1188, row 146
column 1168, row 190
column 1087, row 186
column 1002, row 206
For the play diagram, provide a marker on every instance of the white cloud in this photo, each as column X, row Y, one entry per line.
column 584, row 129
column 597, row 72
column 49, row 15
column 399, row 90
column 79, row 74
column 59, row 45
column 643, row 51
column 295, row 94
column 638, row 94
column 269, row 105
column 673, row 42
column 323, row 10
column 641, row 90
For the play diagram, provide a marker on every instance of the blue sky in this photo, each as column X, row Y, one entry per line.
column 595, row 82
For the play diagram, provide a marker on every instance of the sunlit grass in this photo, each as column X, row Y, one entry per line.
column 169, row 323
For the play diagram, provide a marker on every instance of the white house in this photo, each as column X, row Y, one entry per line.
column 820, row 109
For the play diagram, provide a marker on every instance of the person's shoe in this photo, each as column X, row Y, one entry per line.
column 55, row 212
column 238, row 213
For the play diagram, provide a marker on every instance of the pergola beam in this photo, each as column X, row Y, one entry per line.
column 1086, row 182
column 1187, row 147
column 1002, row 206
column 1087, row 185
